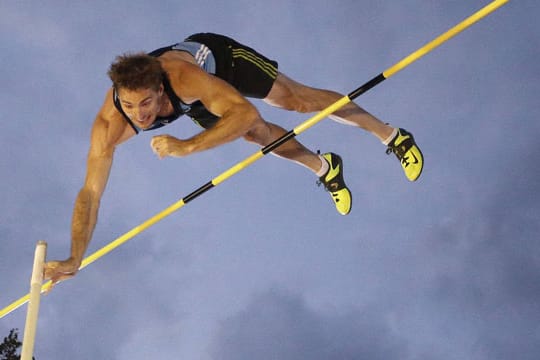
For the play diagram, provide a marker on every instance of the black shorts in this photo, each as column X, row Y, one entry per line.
column 244, row 68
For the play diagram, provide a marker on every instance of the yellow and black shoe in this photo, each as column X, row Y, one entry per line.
column 408, row 153
column 335, row 185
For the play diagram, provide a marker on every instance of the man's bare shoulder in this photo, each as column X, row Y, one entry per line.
column 186, row 77
column 180, row 65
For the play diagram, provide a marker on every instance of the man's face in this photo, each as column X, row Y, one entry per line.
column 141, row 106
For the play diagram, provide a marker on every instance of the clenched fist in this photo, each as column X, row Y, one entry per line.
column 166, row 145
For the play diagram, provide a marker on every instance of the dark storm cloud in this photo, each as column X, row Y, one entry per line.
column 280, row 325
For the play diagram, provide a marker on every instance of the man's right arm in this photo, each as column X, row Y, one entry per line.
column 107, row 132
column 87, row 203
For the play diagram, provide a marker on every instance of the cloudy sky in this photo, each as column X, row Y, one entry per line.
column 263, row 267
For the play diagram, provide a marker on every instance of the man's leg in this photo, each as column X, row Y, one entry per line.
column 289, row 94
column 265, row 132
column 328, row 167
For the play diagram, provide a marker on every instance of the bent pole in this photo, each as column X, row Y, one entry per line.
column 488, row 9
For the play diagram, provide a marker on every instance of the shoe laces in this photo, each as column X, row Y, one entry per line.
column 400, row 152
column 327, row 187
column 401, row 149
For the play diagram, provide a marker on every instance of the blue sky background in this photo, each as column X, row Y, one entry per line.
column 263, row 266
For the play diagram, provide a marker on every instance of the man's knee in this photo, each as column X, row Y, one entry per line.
column 258, row 133
column 250, row 136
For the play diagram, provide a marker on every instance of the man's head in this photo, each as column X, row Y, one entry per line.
column 135, row 72
column 138, row 80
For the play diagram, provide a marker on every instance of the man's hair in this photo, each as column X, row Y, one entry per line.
column 136, row 71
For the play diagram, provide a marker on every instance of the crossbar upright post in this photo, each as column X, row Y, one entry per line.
column 33, row 304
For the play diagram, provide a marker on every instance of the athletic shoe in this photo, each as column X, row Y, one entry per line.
column 335, row 185
column 408, row 153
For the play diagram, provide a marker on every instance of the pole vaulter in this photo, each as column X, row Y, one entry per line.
column 480, row 14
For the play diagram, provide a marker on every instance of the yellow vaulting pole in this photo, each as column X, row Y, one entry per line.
column 488, row 9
